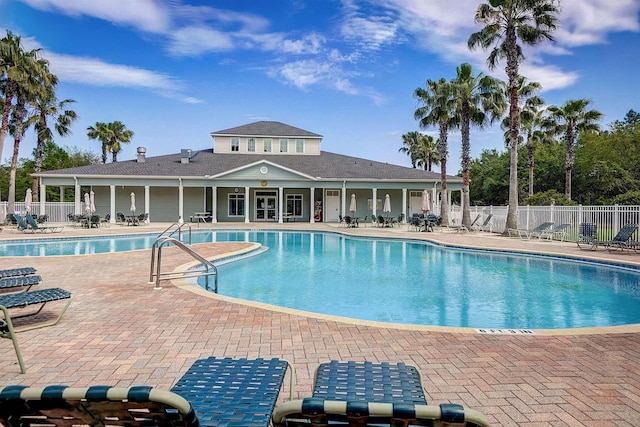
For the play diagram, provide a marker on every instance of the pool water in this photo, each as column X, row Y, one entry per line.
column 399, row 281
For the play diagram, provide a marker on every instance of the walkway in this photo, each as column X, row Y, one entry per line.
column 119, row 331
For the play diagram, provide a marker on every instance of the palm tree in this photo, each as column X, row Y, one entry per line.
column 100, row 132
column 16, row 65
column 438, row 110
column 505, row 22
column 45, row 107
column 475, row 96
column 410, row 141
column 570, row 120
column 427, row 152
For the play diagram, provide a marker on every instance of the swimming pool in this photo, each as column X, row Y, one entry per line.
column 405, row 281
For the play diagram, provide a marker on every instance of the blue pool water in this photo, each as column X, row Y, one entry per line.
column 402, row 281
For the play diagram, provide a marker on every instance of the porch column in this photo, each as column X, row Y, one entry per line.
column 61, row 190
column 146, row 204
column 280, row 198
column 374, row 205
column 214, row 204
column 404, row 206
column 246, row 205
column 42, row 199
column 180, row 202
column 112, row 204
column 312, row 205
column 76, row 208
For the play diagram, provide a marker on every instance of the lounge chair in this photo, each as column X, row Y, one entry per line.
column 360, row 393
column 7, row 331
column 242, row 392
column 22, row 225
column 535, row 232
column 213, row 392
column 587, row 235
column 621, row 240
column 558, row 232
column 40, row 297
column 33, row 225
column 23, row 282
column 14, row 272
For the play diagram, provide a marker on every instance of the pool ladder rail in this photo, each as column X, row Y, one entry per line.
column 206, row 269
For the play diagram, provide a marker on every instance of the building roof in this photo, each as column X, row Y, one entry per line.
column 266, row 128
column 329, row 166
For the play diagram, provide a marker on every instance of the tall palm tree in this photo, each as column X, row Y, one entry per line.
column 16, row 66
column 505, row 23
column 118, row 135
column 410, row 141
column 438, row 110
column 570, row 120
column 428, row 152
column 478, row 100
column 100, row 132
column 47, row 107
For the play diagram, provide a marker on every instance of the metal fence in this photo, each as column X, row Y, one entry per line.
column 56, row 211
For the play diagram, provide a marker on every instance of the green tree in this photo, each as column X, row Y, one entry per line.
column 570, row 120
column 99, row 131
column 47, row 107
column 478, row 101
column 490, row 182
column 505, row 22
column 438, row 110
column 111, row 135
column 421, row 149
column 410, row 141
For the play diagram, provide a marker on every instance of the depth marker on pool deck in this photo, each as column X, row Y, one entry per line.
column 505, row 331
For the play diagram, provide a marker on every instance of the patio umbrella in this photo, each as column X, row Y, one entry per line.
column 133, row 202
column 425, row 201
column 92, row 202
column 28, row 198
column 387, row 204
column 87, row 204
column 352, row 207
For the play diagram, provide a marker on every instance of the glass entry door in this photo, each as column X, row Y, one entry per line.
column 266, row 205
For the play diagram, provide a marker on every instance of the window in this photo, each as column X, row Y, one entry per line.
column 294, row 205
column 284, row 145
column 236, row 205
column 267, row 145
column 299, row 145
column 251, row 145
column 235, row 144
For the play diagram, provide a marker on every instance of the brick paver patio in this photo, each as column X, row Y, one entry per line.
column 119, row 331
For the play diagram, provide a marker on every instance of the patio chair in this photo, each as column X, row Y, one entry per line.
column 24, row 283
column 621, row 240
column 558, row 232
column 7, row 331
column 234, row 392
column 14, row 272
column 535, row 232
column 22, row 225
column 121, row 219
column 587, row 235
column 42, row 229
column 359, row 393
column 41, row 297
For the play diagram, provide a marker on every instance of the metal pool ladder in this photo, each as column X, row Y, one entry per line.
column 206, row 269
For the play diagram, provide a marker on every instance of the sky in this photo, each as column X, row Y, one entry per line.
column 173, row 71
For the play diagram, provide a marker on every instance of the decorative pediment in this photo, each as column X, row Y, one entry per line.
column 263, row 170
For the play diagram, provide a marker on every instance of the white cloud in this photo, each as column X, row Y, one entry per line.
column 191, row 41
column 147, row 15
column 95, row 72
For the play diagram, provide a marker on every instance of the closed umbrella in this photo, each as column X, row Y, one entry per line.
column 425, row 202
column 92, row 202
column 353, row 206
column 133, row 203
column 28, row 198
column 87, row 204
column 387, row 204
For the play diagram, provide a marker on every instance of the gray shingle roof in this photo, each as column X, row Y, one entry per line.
column 266, row 128
column 326, row 165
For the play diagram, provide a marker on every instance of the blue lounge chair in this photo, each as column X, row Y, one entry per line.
column 7, row 331
column 22, row 225
column 360, row 393
column 33, row 226
column 23, row 282
column 39, row 297
column 621, row 240
column 535, row 232
column 587, row 235
column 14, row 272
column 213, row 392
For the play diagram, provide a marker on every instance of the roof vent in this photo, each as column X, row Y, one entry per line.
column 141, row 155
column 185, row 155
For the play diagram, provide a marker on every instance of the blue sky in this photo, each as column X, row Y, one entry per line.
column 173, row 71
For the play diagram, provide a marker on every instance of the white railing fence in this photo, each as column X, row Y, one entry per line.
column 56, row 211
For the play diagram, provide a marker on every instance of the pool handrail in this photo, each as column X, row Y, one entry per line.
column 178, row 228
column 156, row 263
